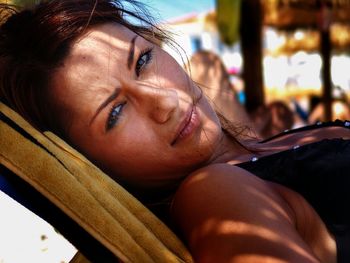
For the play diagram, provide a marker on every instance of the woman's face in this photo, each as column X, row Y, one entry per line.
column 133, row 110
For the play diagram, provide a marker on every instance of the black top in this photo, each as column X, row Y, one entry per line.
column 320, row 172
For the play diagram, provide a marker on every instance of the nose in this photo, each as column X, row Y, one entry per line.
column 158, row 103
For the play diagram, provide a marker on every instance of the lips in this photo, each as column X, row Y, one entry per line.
column 187, row 126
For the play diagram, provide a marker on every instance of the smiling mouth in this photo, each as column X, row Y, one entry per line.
column 188, row 126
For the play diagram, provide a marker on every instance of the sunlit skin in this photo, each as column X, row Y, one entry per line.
column 156, row 102
column 134, row 112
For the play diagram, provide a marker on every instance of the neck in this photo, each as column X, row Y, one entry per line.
column 230, row 151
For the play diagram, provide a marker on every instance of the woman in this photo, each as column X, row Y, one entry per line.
column 82, row 70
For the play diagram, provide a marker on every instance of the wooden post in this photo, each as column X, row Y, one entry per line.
column 325, row 50
column 251, row 44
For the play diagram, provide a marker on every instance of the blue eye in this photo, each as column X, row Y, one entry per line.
column 144, row 58
column 114, row 115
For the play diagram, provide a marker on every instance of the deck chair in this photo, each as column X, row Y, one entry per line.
column 98, row 216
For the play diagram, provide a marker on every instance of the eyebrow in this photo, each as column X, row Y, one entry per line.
column 131, row 52
column 109, row 99
column 117, row 90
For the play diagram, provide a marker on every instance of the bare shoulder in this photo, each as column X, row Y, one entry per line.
column 228, row 215
column 210, row 179
column 217, row 183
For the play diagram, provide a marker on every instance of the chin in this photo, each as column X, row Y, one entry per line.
column 211, row 135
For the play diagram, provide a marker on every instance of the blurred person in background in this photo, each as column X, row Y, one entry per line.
column 209, row 72
column 340, row 111
column 273, row 118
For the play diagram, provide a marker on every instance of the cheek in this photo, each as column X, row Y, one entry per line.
column 170, row 71
column 134, row 141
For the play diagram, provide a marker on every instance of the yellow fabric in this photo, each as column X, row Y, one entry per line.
column 79, row 258
column 91, row 198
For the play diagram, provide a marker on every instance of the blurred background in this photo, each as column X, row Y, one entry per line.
column 287, row 63
column 285, row 58
column 296, row 51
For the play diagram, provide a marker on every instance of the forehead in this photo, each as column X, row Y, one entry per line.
column 94, row 65
column 108, row 41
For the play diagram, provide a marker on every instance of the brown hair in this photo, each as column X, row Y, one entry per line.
column 35, row 41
